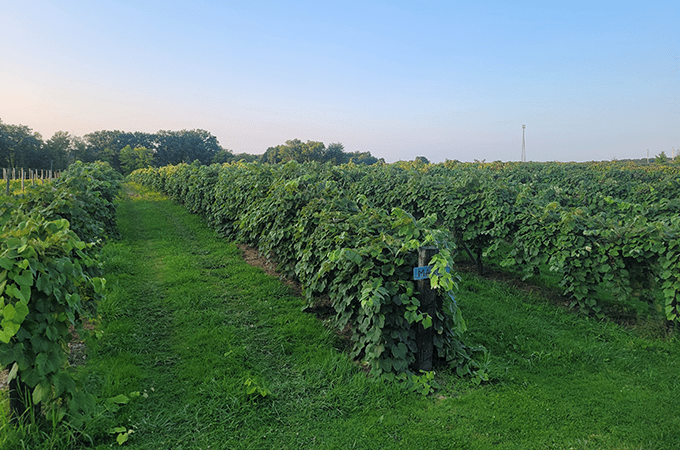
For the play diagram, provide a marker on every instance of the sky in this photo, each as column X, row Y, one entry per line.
column 593, row 80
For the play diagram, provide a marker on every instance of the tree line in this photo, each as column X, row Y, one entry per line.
column 126, row 151
column 300, row 151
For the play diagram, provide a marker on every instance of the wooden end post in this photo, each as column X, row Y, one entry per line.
column 428, row 304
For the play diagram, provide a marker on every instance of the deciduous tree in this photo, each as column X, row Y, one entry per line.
column 21, row 147
column 137, row 158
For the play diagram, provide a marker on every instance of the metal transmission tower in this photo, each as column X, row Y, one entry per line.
column 524, row 147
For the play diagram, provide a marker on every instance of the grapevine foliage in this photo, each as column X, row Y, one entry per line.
column 356, row 254
column 50, row 279
column 608, row 230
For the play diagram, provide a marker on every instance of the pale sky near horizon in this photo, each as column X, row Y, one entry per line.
column 594, row 80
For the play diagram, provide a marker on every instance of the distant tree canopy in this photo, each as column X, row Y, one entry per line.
column 247, row 157
column 167, row 147
column 661, row 158
column 127, row 151
column 135, row 158
column 21, row 147
column 297, row 150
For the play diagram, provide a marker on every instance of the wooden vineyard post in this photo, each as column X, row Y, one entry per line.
column 428, row 304
column 22, row 179
column 5, row 175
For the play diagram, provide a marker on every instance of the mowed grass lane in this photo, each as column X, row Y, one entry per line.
column 193, row 326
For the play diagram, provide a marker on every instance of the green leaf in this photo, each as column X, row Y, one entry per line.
column 48, row 362
column 98, row 284
column 6, row 263
column 42, row 283
column 9, row 329
column 13, row 372
column 120, row 399
column 21, row 311
column 23, row 293
column 8, row 312
column 461, row 371
column 25, row 278
column 387, row 270
column 13, row 242
column 9, row 290
column 52, row 333
column 73, row 300
column 399, row 350
column 353, row 256
column 123, row 437
column 63, row 383
column 41, row 393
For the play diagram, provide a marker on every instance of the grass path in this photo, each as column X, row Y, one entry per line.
column 190, row 323
column 228, row 360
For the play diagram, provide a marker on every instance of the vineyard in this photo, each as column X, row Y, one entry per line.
column 606, row 233
column 194, row 350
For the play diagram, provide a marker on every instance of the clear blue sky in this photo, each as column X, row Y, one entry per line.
column 593, row 80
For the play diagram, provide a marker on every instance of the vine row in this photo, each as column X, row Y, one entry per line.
column 608, row 231
column 50, row 279
column 346, row 249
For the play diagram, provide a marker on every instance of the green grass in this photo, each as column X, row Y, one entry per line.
column 188, row 324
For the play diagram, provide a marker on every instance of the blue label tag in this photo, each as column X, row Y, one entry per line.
column 422, row 272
